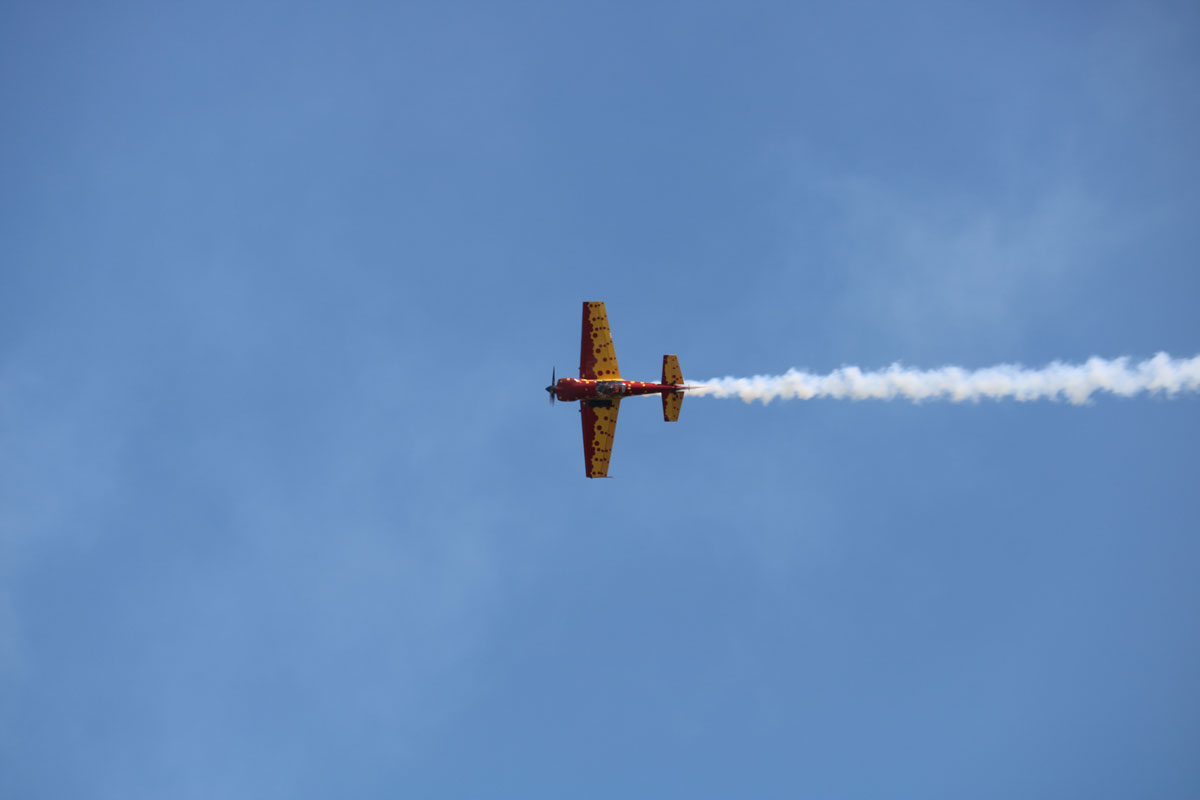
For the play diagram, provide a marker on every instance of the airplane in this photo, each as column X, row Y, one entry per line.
column 600, row 388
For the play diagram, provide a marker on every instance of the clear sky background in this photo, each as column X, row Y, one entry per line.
column 284, row 511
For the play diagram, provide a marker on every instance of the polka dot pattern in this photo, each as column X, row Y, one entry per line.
column 672, row 403
column 599, row 427
column 671, row 374
column 597, row 356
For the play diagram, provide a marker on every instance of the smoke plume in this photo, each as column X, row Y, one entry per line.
column 1075, row 383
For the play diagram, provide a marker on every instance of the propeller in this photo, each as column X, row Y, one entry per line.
column 553, row 381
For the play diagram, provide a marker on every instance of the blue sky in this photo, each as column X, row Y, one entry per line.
column 284, row 512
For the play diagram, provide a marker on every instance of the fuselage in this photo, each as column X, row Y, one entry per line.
column 570, row 389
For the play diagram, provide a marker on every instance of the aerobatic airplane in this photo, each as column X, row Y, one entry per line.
column 599, row 389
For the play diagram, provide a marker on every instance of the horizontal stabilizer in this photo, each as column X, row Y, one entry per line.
column 672, row 375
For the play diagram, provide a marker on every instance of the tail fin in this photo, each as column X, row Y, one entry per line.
column 673, row 401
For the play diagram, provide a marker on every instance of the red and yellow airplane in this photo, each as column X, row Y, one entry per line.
column 599, row 389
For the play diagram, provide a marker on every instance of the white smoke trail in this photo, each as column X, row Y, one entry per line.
column 1075, row 383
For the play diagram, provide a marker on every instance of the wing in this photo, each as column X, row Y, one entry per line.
column 597, row 358
column 599, row 426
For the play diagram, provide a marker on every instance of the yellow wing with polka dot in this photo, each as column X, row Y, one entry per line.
column 599, row 427
column 597, row 357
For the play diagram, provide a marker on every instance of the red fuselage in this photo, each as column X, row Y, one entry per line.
column 571, row 389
